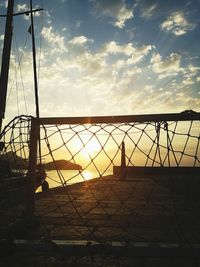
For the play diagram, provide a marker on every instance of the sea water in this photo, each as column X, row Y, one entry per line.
column 67, row 177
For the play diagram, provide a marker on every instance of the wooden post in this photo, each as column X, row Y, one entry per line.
column 32, row 168
column 123, row 162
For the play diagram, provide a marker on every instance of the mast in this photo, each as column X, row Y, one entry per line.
column 6, row 60
column 6, row 57
column 35, row 77
column 34, row 62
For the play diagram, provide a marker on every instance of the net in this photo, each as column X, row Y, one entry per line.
column 93, row 150
column 13, row 169
column 132, row 182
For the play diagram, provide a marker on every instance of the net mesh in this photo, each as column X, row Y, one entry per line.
column 98, row 147
column 96, row 191
column 102, row 209
column 13, row 169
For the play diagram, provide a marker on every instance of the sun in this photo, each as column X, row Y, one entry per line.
column 91, row 147
column 86, row 147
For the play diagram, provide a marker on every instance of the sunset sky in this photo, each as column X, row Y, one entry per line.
column 101, row 57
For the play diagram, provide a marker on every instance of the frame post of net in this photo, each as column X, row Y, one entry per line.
column 31, row 182
column 123, row 162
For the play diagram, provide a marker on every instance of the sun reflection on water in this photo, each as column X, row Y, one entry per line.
column 87, row 175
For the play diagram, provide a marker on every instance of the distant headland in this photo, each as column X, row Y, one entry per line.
column 21, row 163
column 62, row 165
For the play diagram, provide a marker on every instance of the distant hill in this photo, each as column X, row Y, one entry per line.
column 62, row 165
column 17, row 162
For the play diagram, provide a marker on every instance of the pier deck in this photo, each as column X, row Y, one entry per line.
column 151, row 209
column 146, row 221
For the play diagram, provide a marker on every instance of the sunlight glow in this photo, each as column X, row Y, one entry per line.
column 88, row 147
column 87, row 175
column 91, row 147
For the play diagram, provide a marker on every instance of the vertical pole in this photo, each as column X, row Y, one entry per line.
column 31, row 183
column 6, row 60
column 35, row 75
column 34, row 62
column 123, row 162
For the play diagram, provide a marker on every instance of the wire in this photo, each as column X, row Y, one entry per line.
column 19, row 58
column 20, row 70
column 40, row 45
column 16, row 82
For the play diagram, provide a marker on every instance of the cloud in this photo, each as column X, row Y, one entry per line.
column 192, row 70
column 87, row 63
column 151, row 9
column 133, row 71
column 78, row 23
column 54, row 39
column 189, row 73
column 47, row 16
column 188, row 81
column 4, row 4
column 24, row 7
column 149, row 88
column 170, row 66
column 131, row 33
column 148, row 11
column 177, row 24
column 134, row 54
column 114, row 48
column 123, row 15
column 139, row 54
column 21, row 7
column 116, row 9
column 80, row 40
column 111, row 79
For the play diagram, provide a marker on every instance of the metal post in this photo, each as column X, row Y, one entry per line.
column 32, row 168
column 123, row 162
column 6, row 60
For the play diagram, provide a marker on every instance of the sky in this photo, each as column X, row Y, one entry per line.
column 101, row 57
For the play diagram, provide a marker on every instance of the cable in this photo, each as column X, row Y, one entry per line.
column 40, row 45
column 20, row 58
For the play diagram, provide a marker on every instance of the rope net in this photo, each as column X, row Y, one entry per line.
column 98, row 147
column 96, row 192
column 94, row 151
column 14, row 153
